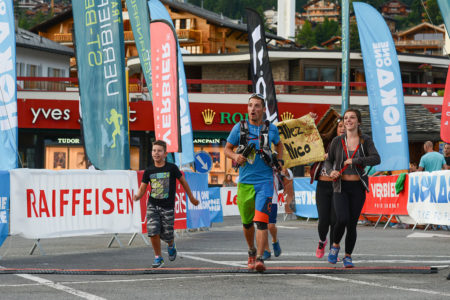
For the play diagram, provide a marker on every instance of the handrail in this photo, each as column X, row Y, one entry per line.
column 317, row 84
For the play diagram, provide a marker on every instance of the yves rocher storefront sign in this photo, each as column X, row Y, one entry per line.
column 64, row 114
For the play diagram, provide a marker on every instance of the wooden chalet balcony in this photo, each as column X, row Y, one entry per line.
column 128, row 36
column 189, row 36
column 62, row 37
column 439, row 43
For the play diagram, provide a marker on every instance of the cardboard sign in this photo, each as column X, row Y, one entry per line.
column 301, row 140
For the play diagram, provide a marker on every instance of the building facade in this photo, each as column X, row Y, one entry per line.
column 317, row 10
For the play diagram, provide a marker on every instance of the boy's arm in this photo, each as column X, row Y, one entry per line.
column 188, row 190
column 140, row 192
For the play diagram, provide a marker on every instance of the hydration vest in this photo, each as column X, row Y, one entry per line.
column 265, row 152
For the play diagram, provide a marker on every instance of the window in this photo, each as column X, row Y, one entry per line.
column 55, row 86
column 32, row 71
column 183, row 23
column 428, row 36
column 72, row 157
column 311, row 74
column 320, row 73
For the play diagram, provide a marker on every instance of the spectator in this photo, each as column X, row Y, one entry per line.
column 228, row 182
column 447, row 155
column 412, row 167
column 431, row 160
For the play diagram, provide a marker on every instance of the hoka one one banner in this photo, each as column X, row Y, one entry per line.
column 8, row 90
column 100, row 54
column 384, row 89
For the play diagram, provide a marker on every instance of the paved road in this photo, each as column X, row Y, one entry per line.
column 223, row 247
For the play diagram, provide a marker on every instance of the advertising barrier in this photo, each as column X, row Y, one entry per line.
column 305, row 198
column 228, row 198
column 50, row 204
column 143, row 203
column 215, row 205
column 429, row 197
column 198, row 216
column 382, row 199
column 180, row 208
column 4, row 205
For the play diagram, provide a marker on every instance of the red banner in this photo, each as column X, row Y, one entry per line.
column 382, row 199
column 180, row 207
column 445, row 116
column 165, row 84
column 143, row 203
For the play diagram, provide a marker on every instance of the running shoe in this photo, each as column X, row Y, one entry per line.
column 276, row 248
column 320, row 251
column 158, row 262
column 251, row 259
column 266, row 255
column 172, row 250
column 259, row 266
column 348, row 263
column 333, row 255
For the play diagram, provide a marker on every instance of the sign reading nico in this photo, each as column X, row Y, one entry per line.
column 202, row 162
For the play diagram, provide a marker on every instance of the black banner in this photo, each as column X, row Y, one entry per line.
column 261, row 70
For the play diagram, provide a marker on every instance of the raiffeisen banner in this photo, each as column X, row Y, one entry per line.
column 158, row 11
column 139, row 19
column 166, row 105
column 8, row 90
column 384, row 89
column 100, row 55
column 262, row 79
column 51, row 204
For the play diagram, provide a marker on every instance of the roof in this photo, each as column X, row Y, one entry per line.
column 212, row 17
column 333, row 39
column 419, row 26
column 421, row 124
column 398, row 1
column 28, row 39
column 67, row 14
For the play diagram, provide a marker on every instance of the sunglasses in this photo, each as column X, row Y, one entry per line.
column 257, row 95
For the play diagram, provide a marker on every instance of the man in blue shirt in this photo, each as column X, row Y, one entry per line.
column 256, row 184
column 431, row 160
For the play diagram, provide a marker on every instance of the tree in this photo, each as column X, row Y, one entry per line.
column 305, row 36
column 326, row 30
column 355, row 45
column 434, row 13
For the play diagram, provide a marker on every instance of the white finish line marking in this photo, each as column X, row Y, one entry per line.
column 56, row 286
column 427, row 235
column 394, row 287
column 61, row 287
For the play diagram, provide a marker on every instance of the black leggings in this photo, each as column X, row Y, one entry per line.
column 325, row 208
column 348, row 205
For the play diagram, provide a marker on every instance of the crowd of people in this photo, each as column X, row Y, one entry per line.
column 342, row 182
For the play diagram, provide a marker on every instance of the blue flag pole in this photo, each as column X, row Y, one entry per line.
column 345, row 56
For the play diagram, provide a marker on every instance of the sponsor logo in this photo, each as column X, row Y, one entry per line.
column 287, row 116
column 208, row 116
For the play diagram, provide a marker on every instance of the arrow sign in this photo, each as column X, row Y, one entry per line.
column 202, row 162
